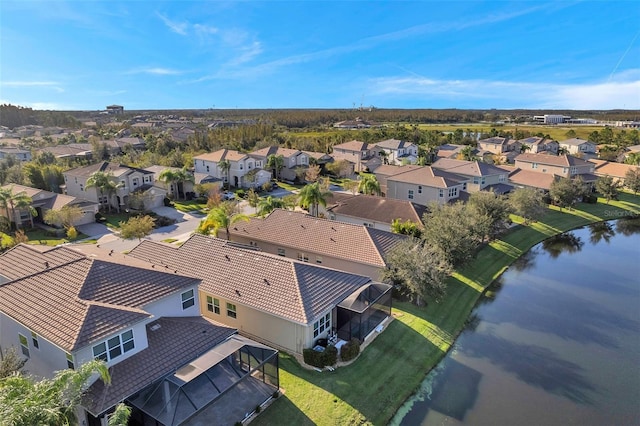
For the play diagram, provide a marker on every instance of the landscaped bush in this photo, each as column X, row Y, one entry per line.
column 320, row 359
column 590, row 198
column 167, row 202
column 240, row 193
column 350, row 350
column 267, row 187
column 100, row 218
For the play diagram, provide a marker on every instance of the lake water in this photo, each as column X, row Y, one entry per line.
column 559, row 344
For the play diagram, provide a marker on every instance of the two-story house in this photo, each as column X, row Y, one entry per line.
column 60, row 308
column 424, row 185
column 15, row 152
column 356, row 152
column 127, row 180
column 395, row 151
column 293, row 159
column 281, row 302
column 536, row 144
column 480, row 175
column 242, row 171
column 566, row 166
column 495, row 145
column 577, row 146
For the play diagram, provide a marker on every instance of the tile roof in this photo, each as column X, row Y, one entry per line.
column 391, row 144
column 467, row 168
column 610, row 168
column 222, row 154
column 354, row 145
column 575, row 142
column 496, row 140
column 392, row 170
column 178, row 341
column 532, row 179
column 379, row 209
column 105, row 166
column 85, row 298
column 552, row 160
column 47, row 199
column 283, row 287
column 275, row 150
column 428, row 176
column 351, row 242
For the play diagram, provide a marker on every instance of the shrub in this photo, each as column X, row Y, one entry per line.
column 72, row 233
column 350, row 350
column 590, row 198
column 267, row 187
column 240, row 193
column 321, row 359
column 167, row 202
column 100, row 218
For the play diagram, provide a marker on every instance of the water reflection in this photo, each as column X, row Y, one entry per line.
column 601, row 231
column 563, row 243
column 535, row 365
column 628, row 225
column 526, row 261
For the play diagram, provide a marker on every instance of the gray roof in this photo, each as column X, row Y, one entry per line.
column 378, row 209
column 283, row 287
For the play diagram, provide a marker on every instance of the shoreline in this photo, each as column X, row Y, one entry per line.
column 435, row 330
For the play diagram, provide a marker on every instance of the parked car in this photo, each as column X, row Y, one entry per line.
column 228, row 195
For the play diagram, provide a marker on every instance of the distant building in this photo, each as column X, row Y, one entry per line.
column 115, row 109
column 17, row 153
column 551, row 118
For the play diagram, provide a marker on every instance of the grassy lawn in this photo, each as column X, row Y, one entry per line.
column 372, row 388
column 113, row 219
column 288, row 186
column 191, row 206
column 39, row 236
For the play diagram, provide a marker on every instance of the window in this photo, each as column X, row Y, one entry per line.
column 207, row 168
column 453, row 192
column 410, row 194
column 319, row 259
column 114, row 347
column 419, row 189
column 136, row 181
column 24, row 345
column 502, row 178
column 231, row 310
column 213, row 305
column 303, row 257
column 281, row 252
column 34, row 340
column 240, row 166
column 253, row 244
column 188, row 299
column 70, row 363
column 534, row 165
column 441, row 193
column 322, row 324
column 476, row 180
column 574, row 170
column 81, row 187
column 368, row 225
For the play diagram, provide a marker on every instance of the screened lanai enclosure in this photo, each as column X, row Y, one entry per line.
column 360, row 313
column 221, row 387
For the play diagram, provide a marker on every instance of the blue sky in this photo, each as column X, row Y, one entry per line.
column 84, row 55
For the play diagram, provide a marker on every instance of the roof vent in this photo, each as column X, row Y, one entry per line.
column 302, row 226
column 238, row 293
column 266, row 281
column 226, row 256
column 46, row 265
column 110, row 252
column 155, row 327
column 331, row 238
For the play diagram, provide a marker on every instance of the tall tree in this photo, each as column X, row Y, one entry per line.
column 174, row 178
column 369, row 185
column 13, row 202
column 494, row 208
column 225, row 166
column 608, row 187
column 221, row 217
column 269, row 204
column 105, row 184
column 632, row 180
column 567, row 192
column 528, row 203
column 137, row 227
column 49, row 402
column 311, row 196
column 275, row 163
column 253, row 198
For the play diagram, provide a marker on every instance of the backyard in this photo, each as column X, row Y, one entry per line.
column 372, row 388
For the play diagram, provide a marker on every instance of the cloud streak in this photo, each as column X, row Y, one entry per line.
column 155, row 71
column 176, row 27
column 53, row 85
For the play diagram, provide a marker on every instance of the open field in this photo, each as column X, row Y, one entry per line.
column 372, row 388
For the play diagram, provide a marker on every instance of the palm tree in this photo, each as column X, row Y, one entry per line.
column 12, row 201
column 466, row 153
column 524, row 148
column 220, row 217
column 269, row 204
column 275, row 163
column 369, row 185
column 311, row 196
column 253, row 198
column 104, row 183
column 225, row 166
column 563, row 150
column 177, row 177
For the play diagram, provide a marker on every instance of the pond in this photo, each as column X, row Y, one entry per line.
column 556, row 342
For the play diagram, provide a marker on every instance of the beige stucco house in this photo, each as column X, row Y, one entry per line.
column 293, row 159
column 356, row 152
column 565, row 165
column 244, row 171
column 424, row 185
column 577, row 146
column 480, row 176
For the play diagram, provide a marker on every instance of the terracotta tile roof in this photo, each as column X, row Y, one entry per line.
column 283, row 287
column 178, row 341
column 467, row 168
column 222, row 154
column 552, row 160
column 105, row 166
column 379, row 209
column 392, row 170
column 391, row 144
column 31, row 192
column 313, row 235
column 532, row 179
column 355, row 146
column 85, row 298
column 574, row 142
column 275, row 150
column 449, row 150
column 428, row 176
column 47, row 199
column 618, row 170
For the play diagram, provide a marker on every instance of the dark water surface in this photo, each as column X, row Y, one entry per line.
column 558, row 344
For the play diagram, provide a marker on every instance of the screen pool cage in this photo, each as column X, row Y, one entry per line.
column 361, row 312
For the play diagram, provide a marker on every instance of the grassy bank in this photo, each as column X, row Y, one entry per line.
column 391, row 368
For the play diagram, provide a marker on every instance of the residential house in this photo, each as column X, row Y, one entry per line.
column 449, row 150
column 281, row 302
column 537, row 144
column 577, row 146
column 73, row 151
column 495, row 145
column 128, row 180
column 356, row 152
column 15, row 152
column 372, row 211
column 183, row 189
column 143, row 320
column 357, row 249
column 357, row 123
column 244, row 171
column 394, row 151
column 480, row 175
column 43, row 201
column 617, row 171
column 383, row 172
column 424, row 185
column 294, row 160
column 566, row 166
column 115, row 109
column 521, row 178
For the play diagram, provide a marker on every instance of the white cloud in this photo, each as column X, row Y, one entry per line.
column 504, row 94
column 176, row 27
column 155, row 71
column 53, row 85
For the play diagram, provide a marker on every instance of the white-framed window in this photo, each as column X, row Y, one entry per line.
column 281, row 252
column 324, row 323
column 419, row 189
column 207, row 167
column 410, row 194
column 114, row 347
column 253, row 244
column 476, row 180
column 240, row 166
column 136, row 181
column 231, row 310
column 34, row 340
column 188, row 299
column 24, row 345
column 453, row 192
column 213, row 305
column 502, row 178
column 304, row 257
column 81, row 187
column 319, row 259
column 534, row 165
column 441, row 193
column 574, row 170
column 70, row 363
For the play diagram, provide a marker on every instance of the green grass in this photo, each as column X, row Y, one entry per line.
column 39, row 236
column 389, row 370
column 191, row 206
column 113, row 219
column 288, row 186
column 170, row 240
